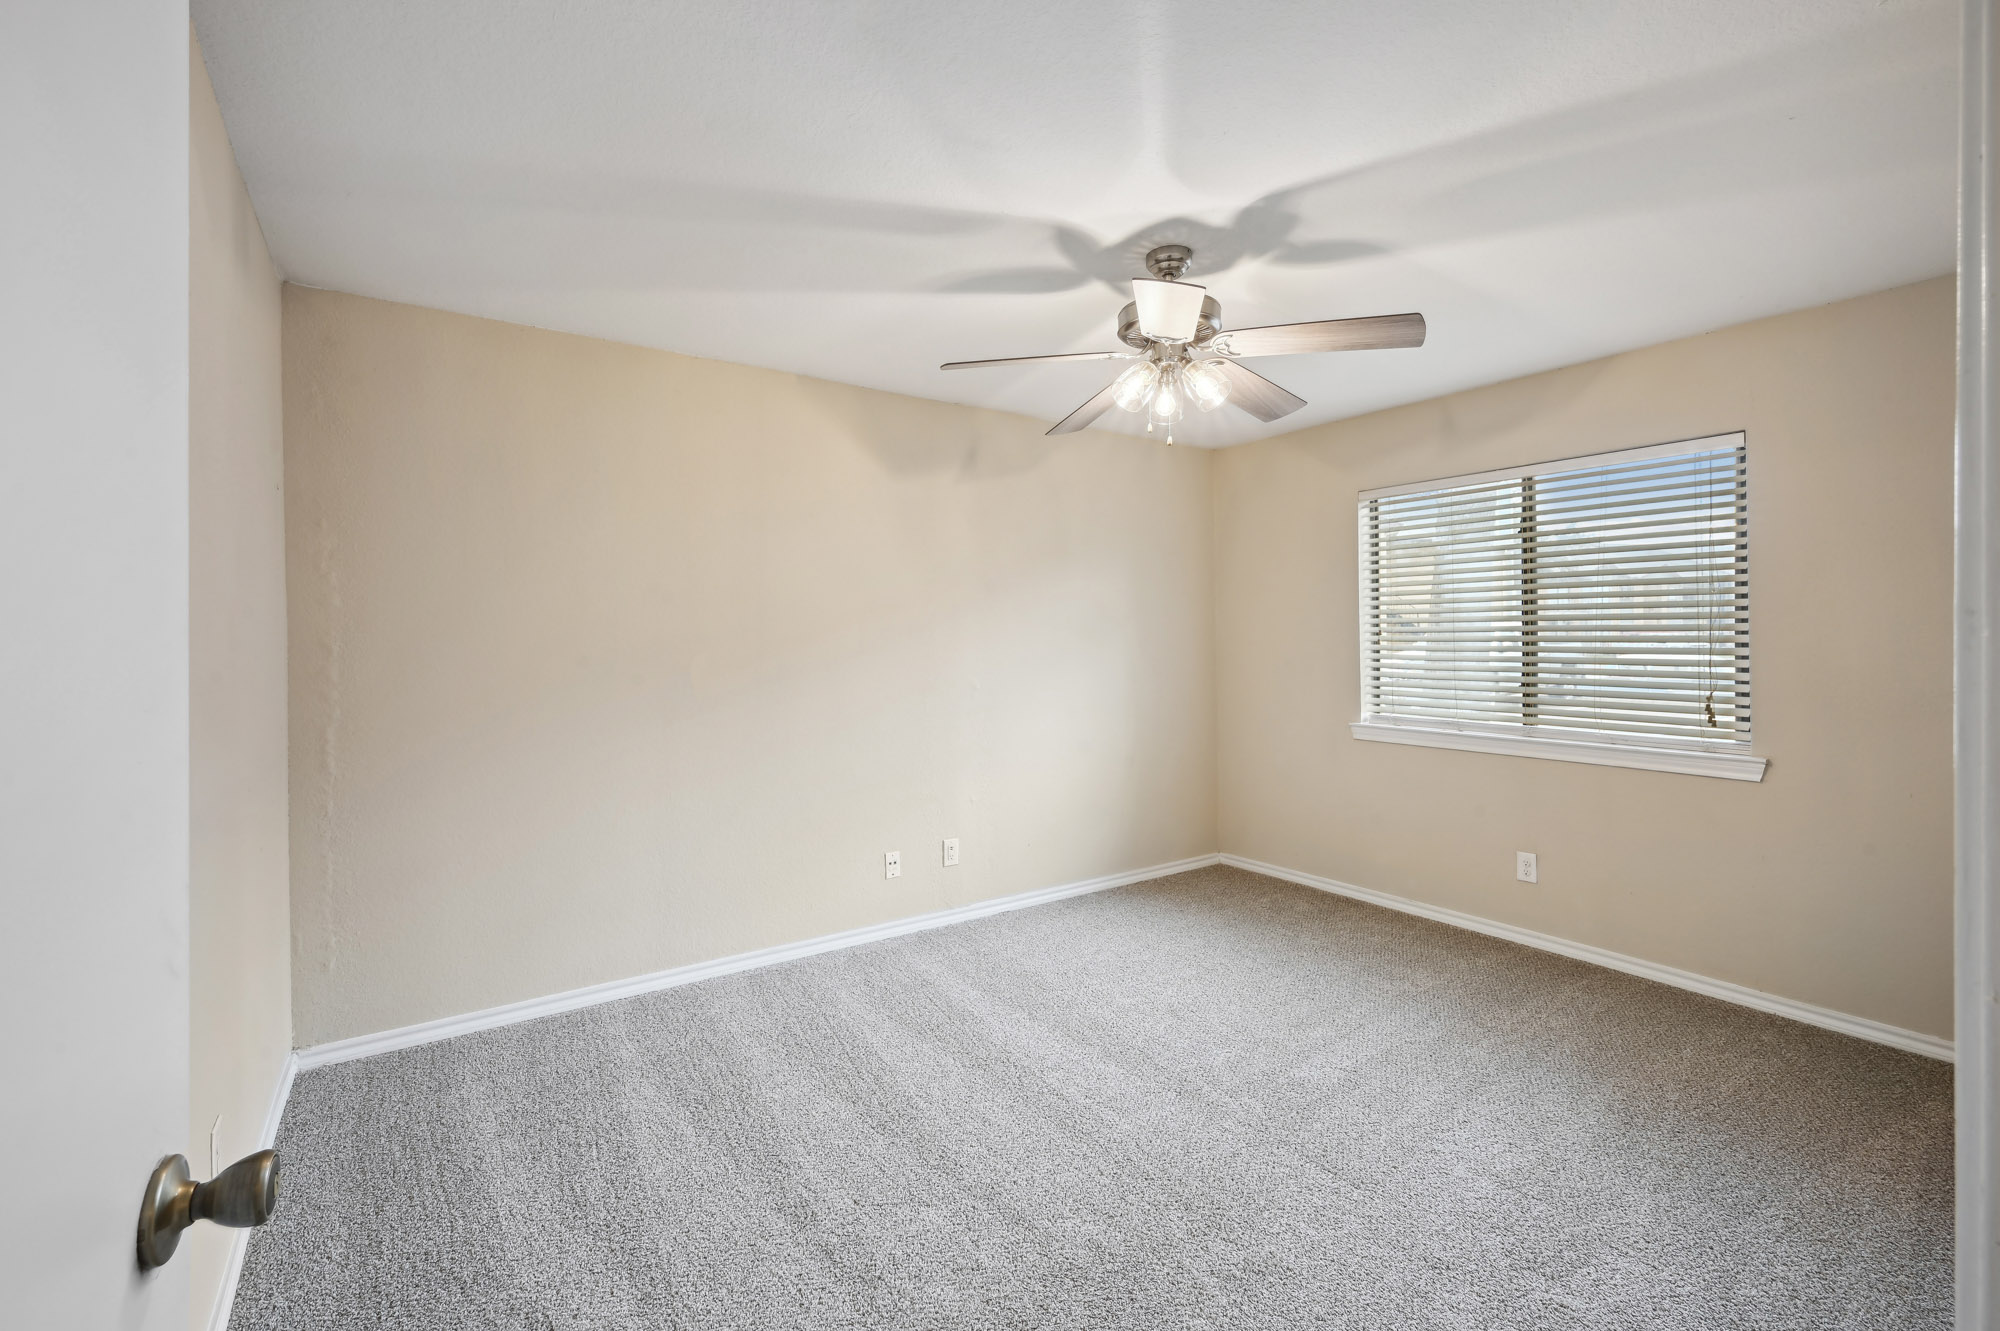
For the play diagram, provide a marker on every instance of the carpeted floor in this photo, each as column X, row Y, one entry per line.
column 1214, row 1100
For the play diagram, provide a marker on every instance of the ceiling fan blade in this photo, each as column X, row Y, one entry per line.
column 1038, row 360
column 1168, row 311
column 1086, row 413
column 1256, row 394
column 1374, row 333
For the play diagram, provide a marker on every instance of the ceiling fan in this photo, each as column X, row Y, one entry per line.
column 1173, row 329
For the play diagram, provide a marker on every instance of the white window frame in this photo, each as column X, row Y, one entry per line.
column 1661, row 755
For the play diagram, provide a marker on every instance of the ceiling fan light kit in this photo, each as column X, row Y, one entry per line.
column 1174, row 330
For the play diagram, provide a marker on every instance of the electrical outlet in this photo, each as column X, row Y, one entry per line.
column 950, row 851
column 1524, row 865
column 892, row 864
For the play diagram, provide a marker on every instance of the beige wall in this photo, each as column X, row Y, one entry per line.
column 1829, row 882
column 239, row 933
column 606, row 660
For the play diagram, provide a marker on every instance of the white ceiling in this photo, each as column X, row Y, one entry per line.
column 862, row 190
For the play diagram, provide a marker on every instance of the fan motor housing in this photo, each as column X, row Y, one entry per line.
column 1207, row 325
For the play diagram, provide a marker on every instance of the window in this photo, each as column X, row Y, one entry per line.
column 1596, row 610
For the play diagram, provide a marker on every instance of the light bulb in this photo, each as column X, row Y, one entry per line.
column 1135, row 386
column 1208, row 383
column 1165, row 408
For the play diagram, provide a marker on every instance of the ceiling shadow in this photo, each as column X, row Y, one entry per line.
column 1758, row 125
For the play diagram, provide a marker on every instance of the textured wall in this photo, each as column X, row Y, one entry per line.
column 605, row 660
column 1829, row 882
column 239, row 943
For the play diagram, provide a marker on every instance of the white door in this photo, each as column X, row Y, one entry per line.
column 93, row 651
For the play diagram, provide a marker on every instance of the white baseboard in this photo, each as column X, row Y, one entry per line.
column 1915, row 1042
column 239, row 1242
column 405, row 1037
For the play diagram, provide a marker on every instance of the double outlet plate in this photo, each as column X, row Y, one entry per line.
column 892, row 860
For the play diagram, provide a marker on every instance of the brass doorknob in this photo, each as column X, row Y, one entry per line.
column 239, row 1197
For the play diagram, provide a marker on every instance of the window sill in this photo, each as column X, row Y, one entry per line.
column 1692, row 762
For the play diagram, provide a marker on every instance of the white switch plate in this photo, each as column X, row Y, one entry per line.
column 1524, row 865
column 892, row 864
column 950, row 851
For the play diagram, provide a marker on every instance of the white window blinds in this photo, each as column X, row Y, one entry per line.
column 1604, row 599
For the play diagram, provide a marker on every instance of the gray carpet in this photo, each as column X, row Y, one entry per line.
column 1214, row 1100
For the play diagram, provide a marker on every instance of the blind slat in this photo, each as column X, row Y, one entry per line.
column 1603, row 506
column 1683, row 565
column 1556, row 487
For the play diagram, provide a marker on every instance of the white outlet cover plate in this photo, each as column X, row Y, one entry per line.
column 1524, row 866
column 950, row 851
column 892, row 864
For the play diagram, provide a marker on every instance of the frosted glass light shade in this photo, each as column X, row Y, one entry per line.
column 1169, row 398
column 1208, row 384
column 1135, row 386
column 1168, row 311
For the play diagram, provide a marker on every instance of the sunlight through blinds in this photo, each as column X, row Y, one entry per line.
column 1605, row 599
